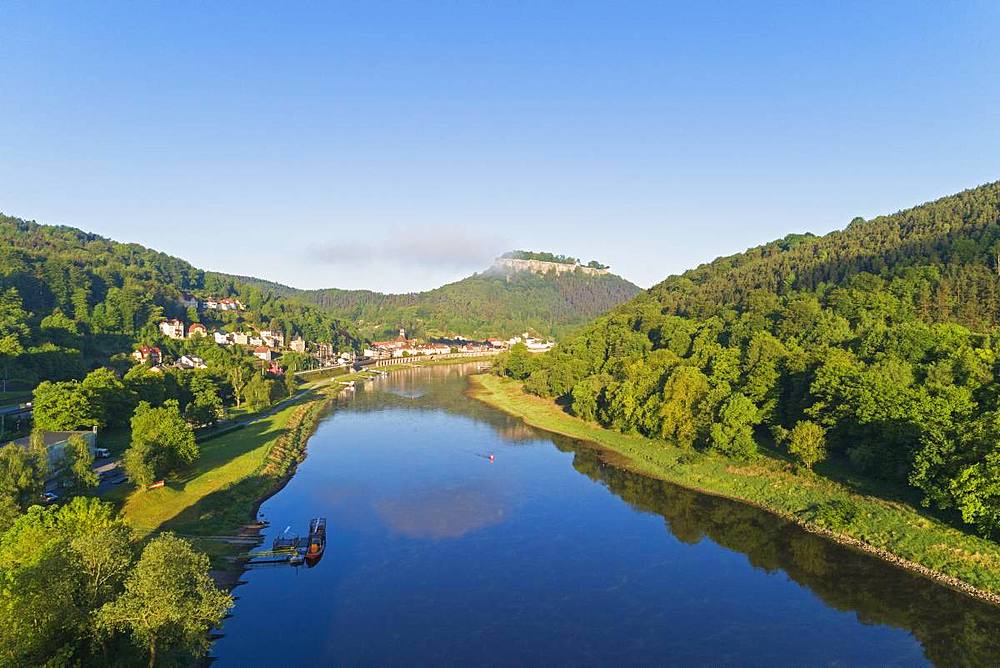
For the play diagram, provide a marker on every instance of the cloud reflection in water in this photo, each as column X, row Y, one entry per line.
column 443, row 512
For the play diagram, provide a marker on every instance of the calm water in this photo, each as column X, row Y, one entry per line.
column 551, row 556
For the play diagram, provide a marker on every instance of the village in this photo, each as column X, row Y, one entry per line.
column 268, row 346
column 401, row 346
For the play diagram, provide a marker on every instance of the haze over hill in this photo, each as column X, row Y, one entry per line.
column 550, row 296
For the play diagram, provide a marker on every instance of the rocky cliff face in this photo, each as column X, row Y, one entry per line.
column 511, row 265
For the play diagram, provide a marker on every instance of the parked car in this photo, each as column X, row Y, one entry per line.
column 102, row 453
column 49, row 498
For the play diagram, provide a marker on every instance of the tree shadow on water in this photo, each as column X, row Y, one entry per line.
column 952, row 628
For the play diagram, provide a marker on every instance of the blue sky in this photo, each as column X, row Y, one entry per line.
column 398, row 146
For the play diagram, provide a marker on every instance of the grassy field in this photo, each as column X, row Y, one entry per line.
column 225, row 462
column 892, row 530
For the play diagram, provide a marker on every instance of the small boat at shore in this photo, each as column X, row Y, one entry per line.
column 316, row 544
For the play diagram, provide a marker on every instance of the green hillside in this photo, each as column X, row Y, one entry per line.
column 70, row 299
column 870, row 353
column 492, row 303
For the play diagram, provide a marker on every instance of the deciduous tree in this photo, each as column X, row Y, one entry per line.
column 806, row 442
column 77, row 465
column 162, row 442
column 170, row 602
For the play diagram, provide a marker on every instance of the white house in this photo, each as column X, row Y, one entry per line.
column 241, row 338
column 534, row 345
column 221, row 338
column 172, row 328
column 263, row 352
column 298, row 344
column 191, row 362
column 429, row 349
column 274, row 339
column 538, row 346
column 224, row 304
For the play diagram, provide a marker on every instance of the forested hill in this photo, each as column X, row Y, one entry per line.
column 875, row 347
column 493, row 303
column 70, row 299
column 947, row 251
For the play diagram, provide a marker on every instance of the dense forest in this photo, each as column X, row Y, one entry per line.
column 487, row 304
column 69, row 300
column 875, row 347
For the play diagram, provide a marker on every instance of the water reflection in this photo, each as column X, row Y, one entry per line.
column 443, row 513
column 439, row 557
column 953, row 628
column 438, row 388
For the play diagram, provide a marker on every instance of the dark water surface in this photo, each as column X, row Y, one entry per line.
column 551, row 556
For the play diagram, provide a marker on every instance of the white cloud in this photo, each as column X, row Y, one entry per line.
column 437, row 248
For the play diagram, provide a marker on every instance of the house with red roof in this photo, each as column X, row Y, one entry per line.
column 147, row 355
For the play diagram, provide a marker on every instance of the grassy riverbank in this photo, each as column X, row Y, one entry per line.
column 215, row 501
column 891, row 530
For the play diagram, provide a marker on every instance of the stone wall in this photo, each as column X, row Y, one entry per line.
column 507, row 264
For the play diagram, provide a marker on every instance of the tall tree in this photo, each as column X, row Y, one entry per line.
column 23, row 471
column 162, row 442
column 63, row 406
column 77, row 465
column 170, row 602
column 57, row 567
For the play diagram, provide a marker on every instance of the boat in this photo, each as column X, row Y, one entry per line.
column 316, row 544
column 296, row 559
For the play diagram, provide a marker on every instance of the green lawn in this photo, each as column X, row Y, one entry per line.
column 195, row 503
column 892, row 529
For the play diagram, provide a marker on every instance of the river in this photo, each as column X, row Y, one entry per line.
column 550, row 555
